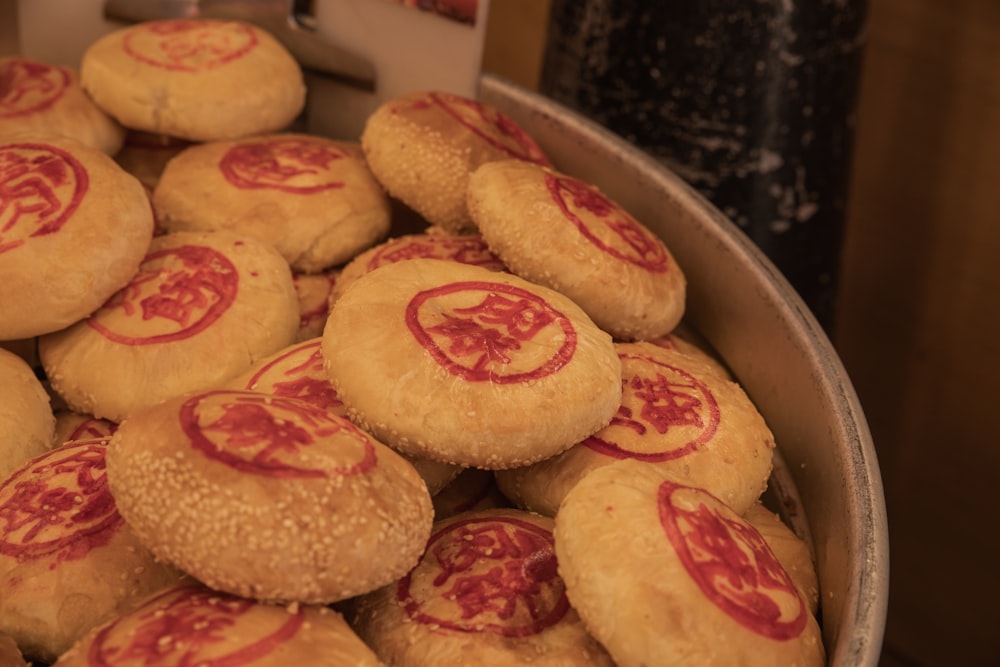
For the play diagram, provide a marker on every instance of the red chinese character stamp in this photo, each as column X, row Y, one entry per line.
column 296, row 165
column 731, row 563
column 177, row 293
column 485, row 331
column 606, row 224
column 41, row 187
column 299, row 373
column 470, row 249
column 267, row 435
column 193, row 625
column 493, row 127
column 666, row 407
column 27, row 86
column 188, row 45
column 59, row 505
column 495, row 574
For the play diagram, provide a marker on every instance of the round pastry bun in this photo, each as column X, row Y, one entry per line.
column 73, row 235
column 465, row 365
column 423, row 146
column 268, row 497
column 195, row 79
column 42, row 98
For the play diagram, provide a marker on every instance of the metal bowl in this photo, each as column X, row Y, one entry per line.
column 826, row 477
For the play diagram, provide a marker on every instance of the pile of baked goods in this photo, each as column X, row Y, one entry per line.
column 253, row 413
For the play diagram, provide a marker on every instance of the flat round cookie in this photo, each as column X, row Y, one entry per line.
column 73, row 229
column 41, row 98
column 268, row 497
column 470, row 366
column 666, row 574
column 431, row 244
column 27, row 423
column 202, row 307
column 486, row 592
column 314, row 199
column 677, row 414
column 424, row 145
column 199, row 80
column 68, row 561
column 558, row 231
column 194, row 625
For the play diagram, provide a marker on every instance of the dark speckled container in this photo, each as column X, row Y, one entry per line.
column 750, row 101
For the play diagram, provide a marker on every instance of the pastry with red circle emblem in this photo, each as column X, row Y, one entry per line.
column 27, row 423
column 41, row 98
column 559, row 231
column 664, row 573
column 424, row 145
column 676, row 414
column 791, row 551
column 194, row 625
column 72, row 426
column 199, row 80
column 431, row 244
column 268, row 497
column 68, row 561
column 314, row 291
column 73, row 229
column 314, row 199
column 469, row 366
column 297, row 372
column 486, row 592
column 202, row 307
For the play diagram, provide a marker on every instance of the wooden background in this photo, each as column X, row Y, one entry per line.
column 919, row 316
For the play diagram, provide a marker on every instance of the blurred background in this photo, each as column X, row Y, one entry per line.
column 917, row 313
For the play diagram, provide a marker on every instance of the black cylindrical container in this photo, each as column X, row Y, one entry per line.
column 751, row 101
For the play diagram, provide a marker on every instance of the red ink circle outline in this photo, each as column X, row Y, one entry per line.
column 559, row 358
column 34, row 71
column 233, row 163
column 412, row 606
column 753, row 614
column 607, row 448
column 459, row 249
column 177, row 26
column 80, row 177
column 493, row 119
column 195, row 431
column 326, row 399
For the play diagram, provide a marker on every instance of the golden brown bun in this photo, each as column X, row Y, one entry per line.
column 486, row 592
column 666, row 574
column 39, row 98
column 27, row 423
column 791, row 551
column 68, row 561
column 194, row 625
column 424, row 145
column 469, row 366
column 200, row 80
column 201, row 309
column 678, row 414
column 74, row 233
column 312, row 198
column 268, row 497
column 561, row 232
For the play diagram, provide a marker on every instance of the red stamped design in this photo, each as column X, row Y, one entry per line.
column 671, row 408
column 184, row 45
column 491, row 332
column 299, row 373
column 194, row 626
column 271, row 436
column 731, row 563
column 495, row 574
column 41, row 186
column 296, row 165
column 177, row 293
column 470, row 249
column 58, row 506
column 606, row 224
column 487, row 123
column 28, row 86
column 91, row 428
